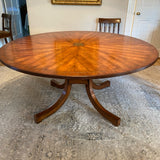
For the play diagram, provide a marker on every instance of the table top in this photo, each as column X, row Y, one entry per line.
column 78, row 54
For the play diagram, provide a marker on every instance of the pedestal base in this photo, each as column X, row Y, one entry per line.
column 66, row 86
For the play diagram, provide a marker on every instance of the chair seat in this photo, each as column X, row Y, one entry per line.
column 4, row 34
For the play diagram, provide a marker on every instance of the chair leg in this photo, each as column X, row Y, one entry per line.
column 6, row 40
column 11, row 37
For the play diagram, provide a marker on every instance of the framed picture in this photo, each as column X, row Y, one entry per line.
column 77, row 2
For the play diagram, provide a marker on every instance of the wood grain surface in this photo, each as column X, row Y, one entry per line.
column 78, row 55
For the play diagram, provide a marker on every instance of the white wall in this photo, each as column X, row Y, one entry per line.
column 46, row 17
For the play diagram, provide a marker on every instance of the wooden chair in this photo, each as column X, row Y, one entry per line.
column 111, row 25
column 6, row 31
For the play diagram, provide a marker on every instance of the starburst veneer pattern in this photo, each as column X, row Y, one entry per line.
column 78, row 57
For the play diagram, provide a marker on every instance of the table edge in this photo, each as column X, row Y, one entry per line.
column 79, row 77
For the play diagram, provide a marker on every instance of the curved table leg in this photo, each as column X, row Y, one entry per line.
column 101, row 86
column 54, row 83
column 111, row 117
column 53, row 108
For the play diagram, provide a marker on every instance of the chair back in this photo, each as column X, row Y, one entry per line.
column 6, row 31
column 111, row 25
column 6, row 22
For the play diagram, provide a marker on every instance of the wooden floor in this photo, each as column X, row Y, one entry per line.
column 156, row 64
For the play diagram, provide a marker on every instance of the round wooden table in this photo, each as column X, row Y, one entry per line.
column 78, row 57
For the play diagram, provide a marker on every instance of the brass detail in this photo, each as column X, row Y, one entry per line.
column 138, row 13
column 78, row 44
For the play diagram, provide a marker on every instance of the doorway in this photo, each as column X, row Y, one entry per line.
column 143, row 21
column 24, row 17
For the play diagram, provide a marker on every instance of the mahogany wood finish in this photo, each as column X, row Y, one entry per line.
column 78, row 57
column 6, row 27
column 54, row 83
column 89, row 88
column 105, row 84
column 53, row 108
column 111, row 117
column 109, row 23
column 101, row 86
